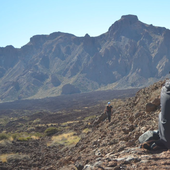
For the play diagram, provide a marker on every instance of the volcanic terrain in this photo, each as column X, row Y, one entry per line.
column 80, row 137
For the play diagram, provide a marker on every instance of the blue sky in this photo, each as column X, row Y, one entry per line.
column 22, row 19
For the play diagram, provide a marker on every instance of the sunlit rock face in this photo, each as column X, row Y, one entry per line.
column 130, row 54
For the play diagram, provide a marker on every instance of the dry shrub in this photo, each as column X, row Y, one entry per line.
column 3, row 157
column 3, row 136
column 65, row 139
column 5, row 143
column 86, row 130
column 51, row 131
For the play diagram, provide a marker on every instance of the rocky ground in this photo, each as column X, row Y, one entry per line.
column 103, row 145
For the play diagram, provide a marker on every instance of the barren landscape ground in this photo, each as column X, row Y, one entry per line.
column 77, row 135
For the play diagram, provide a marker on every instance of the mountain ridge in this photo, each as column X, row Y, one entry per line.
column 131, row 54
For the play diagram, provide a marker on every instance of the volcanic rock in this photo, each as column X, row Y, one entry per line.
column 150, row 107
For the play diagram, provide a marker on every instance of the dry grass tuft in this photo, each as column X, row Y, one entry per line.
column 69, row 122
column 35, row 137
column 86, row 130
column 65, row 139
column 3, row 157
column 89, row 117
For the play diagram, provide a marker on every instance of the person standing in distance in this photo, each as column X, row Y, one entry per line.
column 108, row 110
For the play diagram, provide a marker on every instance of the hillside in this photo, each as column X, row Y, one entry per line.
column 115, row 145
column 88, row 142
column 130, row 54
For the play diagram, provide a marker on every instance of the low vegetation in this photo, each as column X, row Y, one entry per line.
column 51, row 131
column 3, row 136
column 67, row 123
column 36, row 121
column 20, row 136
column 4, row 120
column 90, row 117
column 86, row 130
column 3, row 157
column 65, row 139
column 24, row 138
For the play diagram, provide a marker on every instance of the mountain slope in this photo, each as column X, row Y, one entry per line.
column 115, row 144
column 130, row 54
column 100, row 145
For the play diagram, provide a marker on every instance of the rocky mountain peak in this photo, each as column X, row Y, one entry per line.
column 38, row 39
column 87, row 36
column 129, row 18
column 126, row 21
column 9, row 47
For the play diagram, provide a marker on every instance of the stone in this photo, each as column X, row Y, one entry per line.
column 138, row 114
column 79, row 165
column 131, row 142
column 88, row 167
column 130, row 158
column 156, row 102
column 150, row 107
column 112, row 164
column 98, row 164
column 98, row 153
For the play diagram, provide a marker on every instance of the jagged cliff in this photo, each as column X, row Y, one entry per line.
column 130, row 54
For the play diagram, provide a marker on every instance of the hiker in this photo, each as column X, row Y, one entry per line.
column 108, row 111
column 163, row 123
column 164, row 118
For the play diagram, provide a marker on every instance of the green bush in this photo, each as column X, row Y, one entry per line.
column 3, row 136
column 14, row 136
column 24, row 138
column 50, row 131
